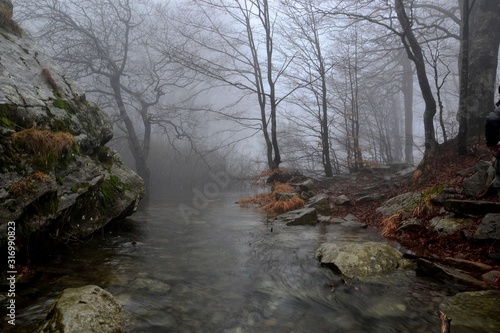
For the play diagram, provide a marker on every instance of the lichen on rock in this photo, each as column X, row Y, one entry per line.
column 57, row 179
column 86, row 309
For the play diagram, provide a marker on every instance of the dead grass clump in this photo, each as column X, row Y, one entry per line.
column 282, row 188
column 273, row 203
column 45, row 144
column 391, row 224
column 282, row 205
column 50, row 80
column 27, row 184
column 259, row 199
column 7, row 23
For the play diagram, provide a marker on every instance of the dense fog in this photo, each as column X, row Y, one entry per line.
column 325, row 87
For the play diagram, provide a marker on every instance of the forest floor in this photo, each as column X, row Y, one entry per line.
column 443, row 169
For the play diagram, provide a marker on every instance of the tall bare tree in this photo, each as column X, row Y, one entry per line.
column 233, row 44
column 305, row 31
column 414, row 52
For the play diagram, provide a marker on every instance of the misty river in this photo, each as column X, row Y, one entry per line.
column 224, row 270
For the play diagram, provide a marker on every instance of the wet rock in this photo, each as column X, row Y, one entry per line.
column 299, row 217
column 87, row 309
column 398, row 203
column 445, row 225
column 150, row 285
column 370, row 198
column 354, row 225
column 361, row 259
column 385, row 307
column 351, row 221
column 474, row 311
column 480, row 181
column 489, row 229
column 471, row 207
column 320, row 202
column 457, row 277
column 337, row 220
column 306, row 186
column 491, row 276
column 342, row 200
column 65, row 194
column 324, row 219
column 410, row 224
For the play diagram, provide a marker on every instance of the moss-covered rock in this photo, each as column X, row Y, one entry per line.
column 57, row 179
column 86, row 309
column 474, row 311
column 361, row 259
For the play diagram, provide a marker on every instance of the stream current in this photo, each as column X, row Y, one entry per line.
column 227, row 269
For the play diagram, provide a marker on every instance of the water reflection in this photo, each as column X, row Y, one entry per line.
column 225, row 271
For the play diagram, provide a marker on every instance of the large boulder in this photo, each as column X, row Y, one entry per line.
column 88, row 309
column 57, row 179
column 448, row 224
column 402, row 202
column 361, row 259
column 480, row 181
column 474, row 311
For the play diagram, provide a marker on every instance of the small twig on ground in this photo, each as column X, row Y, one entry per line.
column 445, row 322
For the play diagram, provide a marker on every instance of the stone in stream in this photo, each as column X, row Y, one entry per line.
column 88, row 309
column 474, row 311
column 299, row 217
column 362, row 259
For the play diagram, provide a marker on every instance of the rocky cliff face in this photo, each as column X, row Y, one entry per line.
column 57, row 179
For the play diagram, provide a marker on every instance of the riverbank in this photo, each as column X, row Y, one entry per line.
column 424, row 228
column 446, row 172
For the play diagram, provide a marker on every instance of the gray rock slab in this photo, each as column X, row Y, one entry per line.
column 88, row 309
column 362, row 259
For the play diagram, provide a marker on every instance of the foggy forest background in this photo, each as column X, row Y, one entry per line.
column 325, row 87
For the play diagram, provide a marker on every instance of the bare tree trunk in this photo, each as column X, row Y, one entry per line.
column 272, row 84
column 484, row 46
column 464, row 75
column 141, row 163
column 408, row 106
column 414, row 52
column 325, row 140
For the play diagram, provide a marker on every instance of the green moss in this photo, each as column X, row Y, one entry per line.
column 5, row 122
column 105, row 156
column 107, row 193
column 111, row 189
column 61, row 125
column 62, row 104
column 12, row 207
column 7, row 113
column 76, row 187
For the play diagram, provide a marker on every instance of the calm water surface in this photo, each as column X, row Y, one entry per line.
column 225, row 271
